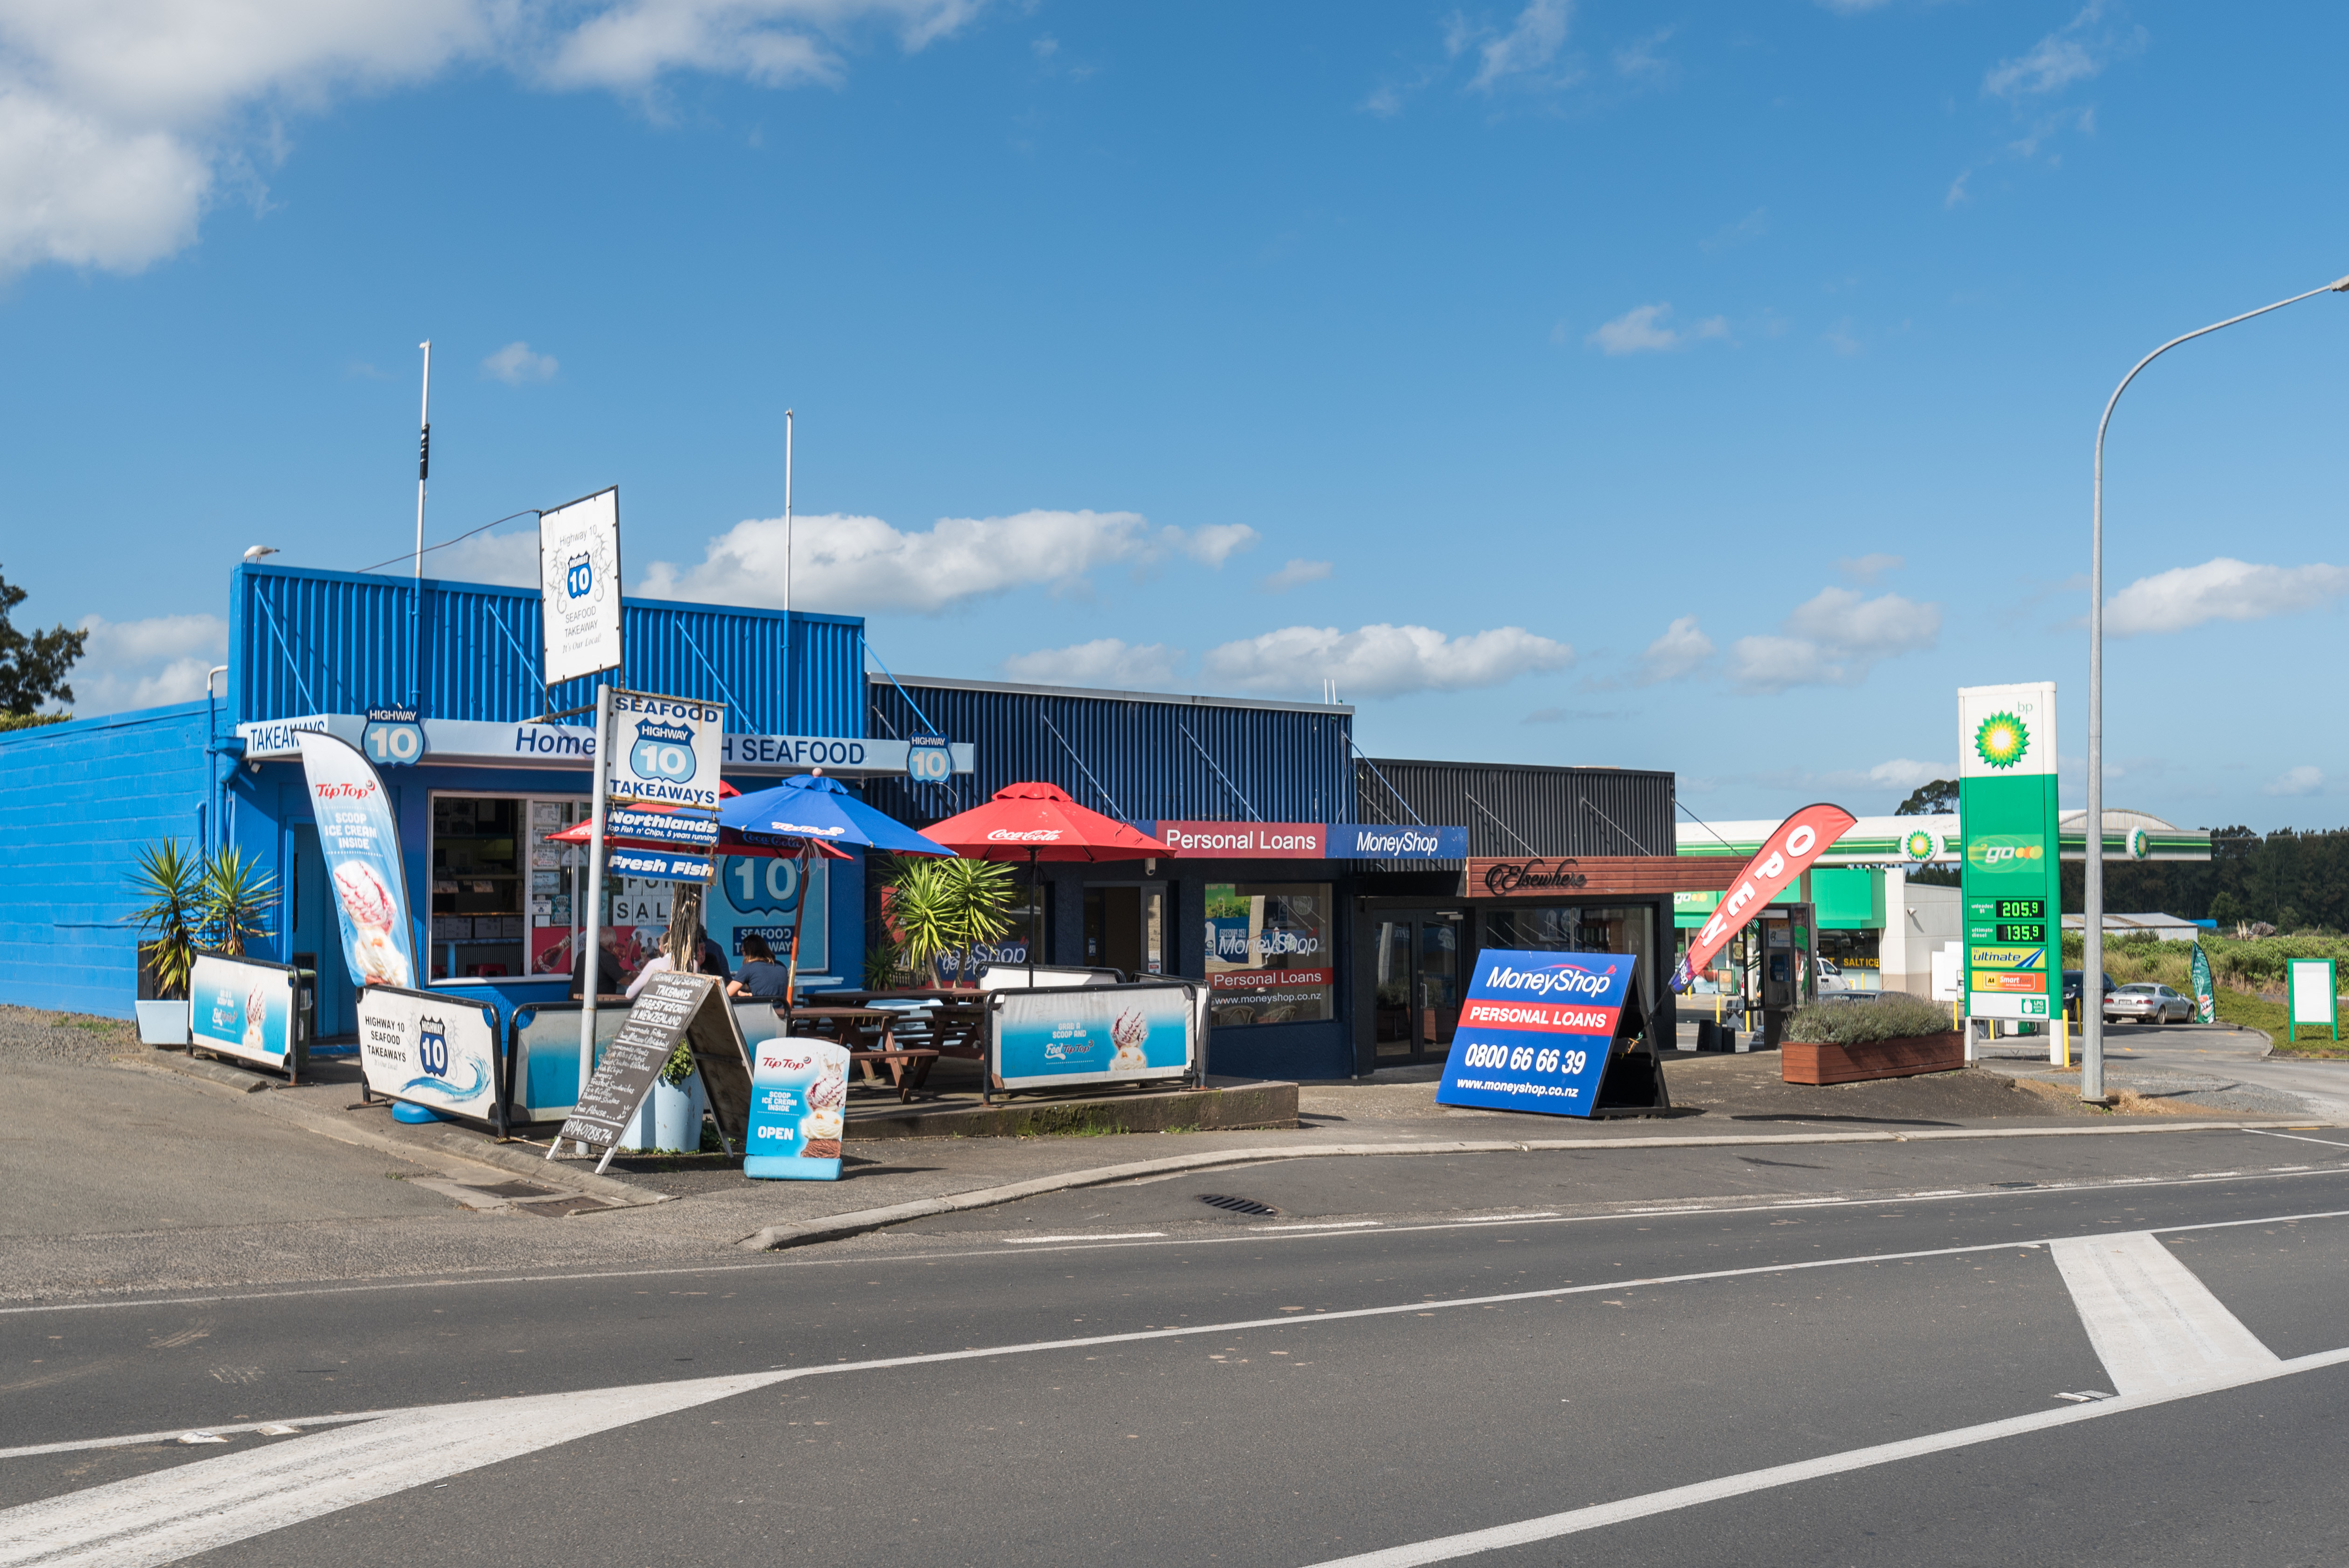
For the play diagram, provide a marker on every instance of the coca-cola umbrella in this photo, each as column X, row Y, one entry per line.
column 1039, row 822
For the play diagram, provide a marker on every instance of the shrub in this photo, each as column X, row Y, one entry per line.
column 1895, row 1016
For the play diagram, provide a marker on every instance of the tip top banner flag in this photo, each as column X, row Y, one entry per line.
column 1786, row 854
column 362, row 849
column 1535, row 1031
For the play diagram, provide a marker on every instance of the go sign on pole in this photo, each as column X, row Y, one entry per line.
column 665, row 748
column 928, row 760
column 393, row 736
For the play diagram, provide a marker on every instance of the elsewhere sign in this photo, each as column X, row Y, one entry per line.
column 1535, row 1031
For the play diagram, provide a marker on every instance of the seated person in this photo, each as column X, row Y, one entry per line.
column 708, row 958
column 762, row 979
column 611, row 974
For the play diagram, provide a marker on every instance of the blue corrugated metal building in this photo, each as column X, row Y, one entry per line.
column 316, row 650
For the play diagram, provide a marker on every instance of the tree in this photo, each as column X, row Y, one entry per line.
column 32, row 666
column 1938, row 799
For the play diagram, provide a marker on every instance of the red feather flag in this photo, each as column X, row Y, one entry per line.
column 1785, row 855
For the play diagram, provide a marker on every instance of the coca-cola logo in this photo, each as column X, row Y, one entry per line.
column 1509, row 876
column 346, row 789
column 1024, row 835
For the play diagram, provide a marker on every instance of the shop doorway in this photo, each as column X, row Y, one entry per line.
column 1417, row 964
column 313, row 937
column 1125, row 928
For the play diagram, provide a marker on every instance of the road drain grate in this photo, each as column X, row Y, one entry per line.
column 1235, row 1205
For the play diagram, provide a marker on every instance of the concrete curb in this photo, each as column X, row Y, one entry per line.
column 832, row 1227
column 442, row 1145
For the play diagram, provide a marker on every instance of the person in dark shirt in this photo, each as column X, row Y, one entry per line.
column 612, row 976
column 762, row 979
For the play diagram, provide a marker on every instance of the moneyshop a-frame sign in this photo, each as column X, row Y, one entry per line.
column 2011, row 881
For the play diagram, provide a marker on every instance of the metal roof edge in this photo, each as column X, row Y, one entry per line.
column 509, row 590
column 1104, row 694
column 107, row 720
column 1523, row 767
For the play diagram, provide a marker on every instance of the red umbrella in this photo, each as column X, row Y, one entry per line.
column 1039, row 822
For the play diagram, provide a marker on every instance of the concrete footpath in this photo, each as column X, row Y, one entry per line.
column 136, row 1170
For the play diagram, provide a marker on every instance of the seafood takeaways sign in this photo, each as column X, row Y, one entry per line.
column 361, row 845
column 1093, row 1033
column 432, row 1050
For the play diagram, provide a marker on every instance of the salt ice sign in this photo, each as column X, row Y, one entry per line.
column 1099, row 1034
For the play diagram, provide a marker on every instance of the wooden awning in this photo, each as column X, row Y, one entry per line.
column 1599, row 876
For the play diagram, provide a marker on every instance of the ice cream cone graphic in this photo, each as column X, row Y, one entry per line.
column 373, row 913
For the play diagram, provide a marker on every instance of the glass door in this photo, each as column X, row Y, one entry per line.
column 1417, row 984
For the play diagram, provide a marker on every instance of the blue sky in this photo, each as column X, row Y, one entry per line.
column 1707, row 387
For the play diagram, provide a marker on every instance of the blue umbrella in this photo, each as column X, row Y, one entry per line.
column 811, row 806
column 814, row 809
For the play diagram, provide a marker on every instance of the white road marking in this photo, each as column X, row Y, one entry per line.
column 1574, row 1522
column 2155, row 1326
column 875, row 1260
column 1105, row 1236
column 135, row 1438
column 1326, row 1225
column 2296, row 1138
column 161, row 1517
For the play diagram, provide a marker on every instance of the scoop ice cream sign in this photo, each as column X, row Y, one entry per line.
column 362, row 850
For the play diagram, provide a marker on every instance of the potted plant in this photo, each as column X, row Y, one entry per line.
column 1893, row 1035
column 237, row 898
column 171, row 879
column 940, row 910
column 671, row 1118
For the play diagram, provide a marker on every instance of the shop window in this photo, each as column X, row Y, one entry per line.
column 506, row 903
column 1126, row 929
column 1627, row 928
column 1855, row 955
column 1269, row 952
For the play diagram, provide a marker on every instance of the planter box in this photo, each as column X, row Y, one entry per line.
column 671, row 1118
column 1801, row 1062
column 162, row 1023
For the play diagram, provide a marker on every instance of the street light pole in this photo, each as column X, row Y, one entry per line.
column 2092, row 968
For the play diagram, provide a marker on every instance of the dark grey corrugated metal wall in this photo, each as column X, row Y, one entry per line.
column 320, row 642
column 1138, row 760
column 1515, row 810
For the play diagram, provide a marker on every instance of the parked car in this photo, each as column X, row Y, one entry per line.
column 2071, row 993
column 1830, row 976
column 2145, row 1003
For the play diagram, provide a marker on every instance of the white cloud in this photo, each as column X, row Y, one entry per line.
column 1214, row 544
column 1296, row 573
column 2066, row 56
column 1906, row 774
column 1834, row 639
column 1642, row 330
column 1531, row 43
column 511, row 558
column 1104, row 662
column 2224, row 589
column 857, row 564
column 1868, row 568
column 121, row 120
column 515, row 364
column 1381, row 660
column 1638, row 59
column 129, row 664
column 2301, row 781
column 1680, row 651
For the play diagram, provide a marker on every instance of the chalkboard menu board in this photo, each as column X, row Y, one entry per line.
column 672, row 1008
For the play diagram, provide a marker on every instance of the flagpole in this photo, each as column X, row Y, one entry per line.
column 787, row 525
column 592, row 978
column 423, row 471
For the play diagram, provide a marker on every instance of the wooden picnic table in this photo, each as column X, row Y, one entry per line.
column 909, row 1069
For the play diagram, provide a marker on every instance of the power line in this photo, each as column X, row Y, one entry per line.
column 526, row 511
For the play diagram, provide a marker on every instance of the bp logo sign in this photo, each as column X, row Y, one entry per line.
column 1921, row 845
column 2001, row 739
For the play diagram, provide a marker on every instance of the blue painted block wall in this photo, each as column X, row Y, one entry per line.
column 77, row 802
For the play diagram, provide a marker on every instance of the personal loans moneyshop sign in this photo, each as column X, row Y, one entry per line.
column 2006, row 810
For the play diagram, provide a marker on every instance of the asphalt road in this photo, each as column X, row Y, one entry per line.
column 1837, row 1354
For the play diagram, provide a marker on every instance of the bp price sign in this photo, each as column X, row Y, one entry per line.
column 1535, row 1031
column 2006, row 809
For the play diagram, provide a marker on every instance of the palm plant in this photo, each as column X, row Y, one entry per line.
column 172, row 879
column 237, row 898
column 941, row 907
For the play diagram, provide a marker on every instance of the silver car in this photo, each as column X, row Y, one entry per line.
column 2145, row 1003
